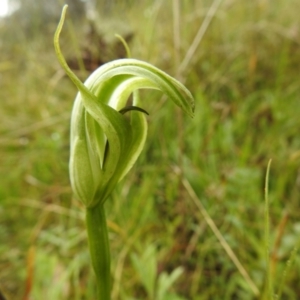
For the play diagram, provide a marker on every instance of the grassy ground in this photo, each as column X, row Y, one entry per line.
column 244, row 76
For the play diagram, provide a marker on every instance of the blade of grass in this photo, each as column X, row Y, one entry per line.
column 218, row 235
column 269, row 285
column 198, row 38
column 176, row 31
column 286, row 270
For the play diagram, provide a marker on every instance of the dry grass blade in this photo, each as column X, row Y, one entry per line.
column 176, row 31
column 219, row 236
column 198, row 38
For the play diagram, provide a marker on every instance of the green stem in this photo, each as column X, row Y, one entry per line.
column 99, row 248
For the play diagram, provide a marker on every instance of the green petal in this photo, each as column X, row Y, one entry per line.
column 161, row 80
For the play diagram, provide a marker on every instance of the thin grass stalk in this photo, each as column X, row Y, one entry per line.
column 286, row 270
column 198, row 38
column 219, row 235
column 269, row 285
column 179, row 116
column 176, row 32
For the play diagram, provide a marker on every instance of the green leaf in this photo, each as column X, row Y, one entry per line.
column 165, row 281
column 146, row 267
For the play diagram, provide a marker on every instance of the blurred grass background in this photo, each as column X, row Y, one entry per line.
column 244, row 75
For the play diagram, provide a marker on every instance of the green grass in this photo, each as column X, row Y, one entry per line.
column 245, row 79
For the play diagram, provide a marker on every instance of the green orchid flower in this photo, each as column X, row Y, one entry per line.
column 105, row 144
column 109, row 143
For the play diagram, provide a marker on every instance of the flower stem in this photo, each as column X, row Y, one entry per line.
column 99, row 248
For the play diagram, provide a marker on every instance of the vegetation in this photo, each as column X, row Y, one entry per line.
column 244, row 76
